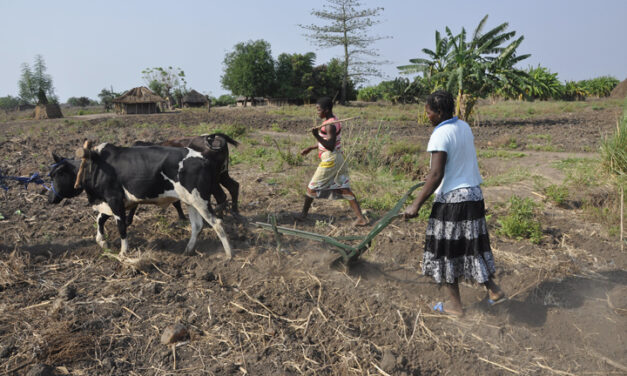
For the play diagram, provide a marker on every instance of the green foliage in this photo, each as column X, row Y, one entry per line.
column 249, row 69
column 235, row 131
column 35, row 85
column 574, row 91
column 348, row 28
column 223, row 100
column 106, row 98
column 294, row 76
column 520, row 221
column 327, row 81
column 599, row 87
column 81, row 102
column 614, row 150
column 471, row 68
column 580, row 172
column 9, row 102
column 400, row 90
column 163, row 81
column 502, row 154
column 543, row 85
column 557, row 194
column 369, row 94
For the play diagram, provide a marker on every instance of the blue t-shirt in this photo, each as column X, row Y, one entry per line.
column 455, row 137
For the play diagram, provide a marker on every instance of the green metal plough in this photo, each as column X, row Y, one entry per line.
column 349, row 253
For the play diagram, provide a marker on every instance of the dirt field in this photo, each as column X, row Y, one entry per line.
column 67, row 304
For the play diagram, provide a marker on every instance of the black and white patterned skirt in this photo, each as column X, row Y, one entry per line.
column 457, row 242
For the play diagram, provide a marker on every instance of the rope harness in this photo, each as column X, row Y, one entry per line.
column 34, row 178
column 84, row 154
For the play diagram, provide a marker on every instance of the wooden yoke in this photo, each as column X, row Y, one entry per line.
column 84, row 154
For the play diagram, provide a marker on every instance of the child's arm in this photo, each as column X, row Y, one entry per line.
column 307, row 150
column 330, row 143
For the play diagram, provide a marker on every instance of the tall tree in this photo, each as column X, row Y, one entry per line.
column 35, row 85
column 294, row 75
column 249, row 70
column 348, row 28
column 165, row 81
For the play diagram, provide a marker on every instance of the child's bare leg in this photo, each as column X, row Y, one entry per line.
column 306, row 207
column 361, row 220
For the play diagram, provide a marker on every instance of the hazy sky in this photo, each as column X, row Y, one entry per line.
column 90, row 45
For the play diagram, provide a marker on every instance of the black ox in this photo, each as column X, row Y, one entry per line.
column 213, row 147
column 116, row 178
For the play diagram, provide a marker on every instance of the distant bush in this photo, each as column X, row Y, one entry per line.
column 81, row 102
column 369, row 94
column 9, row 102
column 599, row 87
column 223, row 100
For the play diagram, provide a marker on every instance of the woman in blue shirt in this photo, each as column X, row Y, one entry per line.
column 457, row 242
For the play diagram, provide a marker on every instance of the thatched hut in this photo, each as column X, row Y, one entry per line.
column 139, row 100
column 194, row 99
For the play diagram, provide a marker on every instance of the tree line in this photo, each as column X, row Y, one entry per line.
column 480, row 66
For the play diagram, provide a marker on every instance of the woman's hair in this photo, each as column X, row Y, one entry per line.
column 441, row 101
column 325, row 103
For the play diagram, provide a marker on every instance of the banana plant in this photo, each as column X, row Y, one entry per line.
column 472, row 68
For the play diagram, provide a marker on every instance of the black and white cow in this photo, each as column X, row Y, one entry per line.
column 215, row 148
column 116, row 178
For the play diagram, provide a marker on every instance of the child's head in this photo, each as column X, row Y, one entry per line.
column 324, row 105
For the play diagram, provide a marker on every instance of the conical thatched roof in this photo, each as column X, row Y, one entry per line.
column 620, row 91
column 194, row 97
column 139, row 94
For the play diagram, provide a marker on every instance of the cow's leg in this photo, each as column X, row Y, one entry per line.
column 100, row 238
column 220, row 197
column 179, row 210
column 119, row 213
column 196, row 221
column 131, row 214
column 216, row 224
column 233, row 187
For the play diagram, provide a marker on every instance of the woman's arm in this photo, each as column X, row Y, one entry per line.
column 331, row 132
column 434, row 178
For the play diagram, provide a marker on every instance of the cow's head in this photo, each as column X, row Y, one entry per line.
column 63, row 176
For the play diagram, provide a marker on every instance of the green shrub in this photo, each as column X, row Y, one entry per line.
column 614, row 150
column 521, row 222
column 556, row 193
column 369, row 94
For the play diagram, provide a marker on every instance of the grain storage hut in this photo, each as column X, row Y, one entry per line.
column 139, row 100
column 194, row 99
